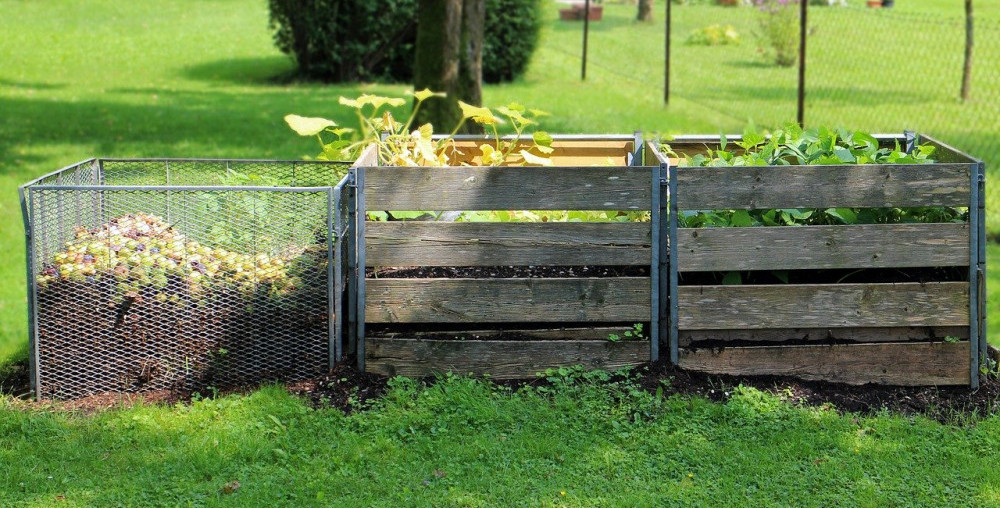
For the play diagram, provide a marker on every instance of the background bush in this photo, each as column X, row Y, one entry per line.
column 361, row 40
column 347, row 40
column 510, row 38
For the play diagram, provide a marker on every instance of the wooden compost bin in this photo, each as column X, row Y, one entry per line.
column 513, row 326
column 914, row 333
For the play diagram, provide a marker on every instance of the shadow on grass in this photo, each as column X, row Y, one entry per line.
column 244, row 71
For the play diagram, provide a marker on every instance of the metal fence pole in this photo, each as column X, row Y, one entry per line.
column 360, row 269
column 666, row 64
column 803, row 17
column 586, row 31
column 333, row 344
column 974, row 311
column 26, row 216
column 672, row 262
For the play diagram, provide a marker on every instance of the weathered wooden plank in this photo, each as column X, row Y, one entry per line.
column 818, row 247
column 534, row 334
column 499, row 359
column 368, row 157
column 508, row 188
column 909, row 364
column 417, row 243
column 618, row 299
column 823, row 305
column 566, row 152
column 758, row 187
column 896, row 334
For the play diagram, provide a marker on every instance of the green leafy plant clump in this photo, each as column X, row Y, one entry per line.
column 403, row 144
column 793, row 145
column 714, row 35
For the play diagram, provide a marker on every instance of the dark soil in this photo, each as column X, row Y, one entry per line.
column 347, row 389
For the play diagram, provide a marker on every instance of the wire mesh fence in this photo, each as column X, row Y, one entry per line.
column 874, row 69
column 180, row 274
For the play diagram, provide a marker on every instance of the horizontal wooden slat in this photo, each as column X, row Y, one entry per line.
column 577, row 152
column 508, row 188
column 616, row 299
column 417, row 243
column 761, row 187
column 499, row 359
column 815, row 247
column 562, row 334
column 823, row 305
column 908, row 364
column 897, row 334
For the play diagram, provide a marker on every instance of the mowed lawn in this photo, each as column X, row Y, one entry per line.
column 196, row 78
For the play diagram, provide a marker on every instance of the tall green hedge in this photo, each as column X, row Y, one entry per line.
column 363, row 40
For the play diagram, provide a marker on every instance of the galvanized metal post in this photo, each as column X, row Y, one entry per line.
column 352, row 263
column 981, row 269
column 666, row 63
column 360, row 269
column 801, row 112
column 27, row 218
column 974, row 310
column 333, row 345
column 654, row 267
column 672, row 262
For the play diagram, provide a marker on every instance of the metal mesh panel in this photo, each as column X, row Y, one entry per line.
column 139, row 289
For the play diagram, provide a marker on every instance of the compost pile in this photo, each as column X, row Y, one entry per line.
column 135, row 305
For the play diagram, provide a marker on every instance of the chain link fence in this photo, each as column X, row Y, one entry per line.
column 181, row 274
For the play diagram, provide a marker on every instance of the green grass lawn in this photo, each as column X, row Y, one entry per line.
column 462, row 443
column 193, row 78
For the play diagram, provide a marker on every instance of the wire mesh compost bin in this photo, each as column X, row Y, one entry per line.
column 173, row 274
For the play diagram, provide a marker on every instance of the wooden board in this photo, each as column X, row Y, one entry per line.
column 499, row 359
column 508, row 188
column 417, row 243
column 823, row 305
column 762, row 187
column 566, row 152
column 907, row 364
column 822, row 247
column 617, row 299
column 897, row 334
column 594, row 333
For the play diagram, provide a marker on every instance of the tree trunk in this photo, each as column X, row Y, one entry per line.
column 645, row 10
column 449, row 58
column 967, row 68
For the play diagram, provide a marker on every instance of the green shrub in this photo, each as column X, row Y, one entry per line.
column 360, row 40
column 347, row 40
column 510, row 38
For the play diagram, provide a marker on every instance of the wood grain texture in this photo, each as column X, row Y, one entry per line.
column 417, row 243
column 898, row 334
column 619, row 299
column 823, row 306
column 593, row 333
column 368, row 157
column 905, row 364
column 822, row 247
column 508, row 188
column 761, row 187
column 499, row 359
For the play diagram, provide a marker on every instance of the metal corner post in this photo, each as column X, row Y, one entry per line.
column 655, row 210
column 26, row 216
column 975, row 225
column 360, row 269
column 981, row 269
column 672, row 262
column 352, row 263
column 638, row 150
column 332, row 272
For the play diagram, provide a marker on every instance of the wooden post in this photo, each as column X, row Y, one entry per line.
column 967, row 68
